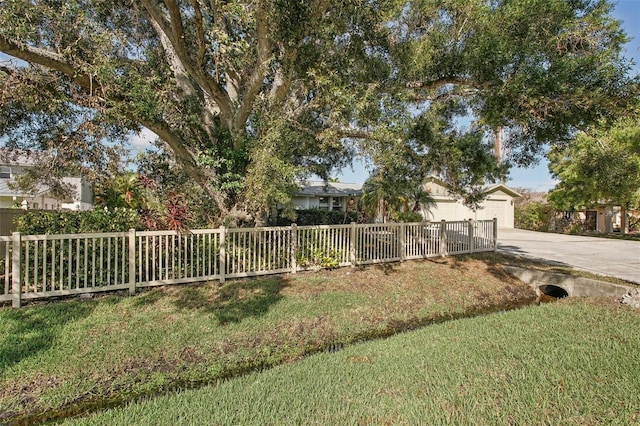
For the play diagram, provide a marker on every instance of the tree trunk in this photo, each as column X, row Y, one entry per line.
column 497, row 144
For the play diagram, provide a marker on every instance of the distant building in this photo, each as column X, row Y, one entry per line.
column 328, row 196
column 40, row 198
column 603, row 218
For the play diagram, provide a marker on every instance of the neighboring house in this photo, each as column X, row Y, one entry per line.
column 498, row 204
column 328, row 196
column 603, row 218
column 342, row 196
column 40, row 198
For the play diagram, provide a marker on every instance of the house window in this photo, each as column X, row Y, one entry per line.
column 5, row 172
column 337, row 202
column 324, row 200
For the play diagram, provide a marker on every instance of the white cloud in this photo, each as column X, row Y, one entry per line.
column 142, row 140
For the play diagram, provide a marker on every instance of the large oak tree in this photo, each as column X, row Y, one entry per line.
column 250, row 95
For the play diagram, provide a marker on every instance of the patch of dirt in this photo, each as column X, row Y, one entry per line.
column 410, row 275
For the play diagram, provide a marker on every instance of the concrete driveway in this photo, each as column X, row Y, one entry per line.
column 604, row 256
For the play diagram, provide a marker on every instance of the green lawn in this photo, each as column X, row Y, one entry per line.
column 62, row 357
column 66, row 357
column 567, row 363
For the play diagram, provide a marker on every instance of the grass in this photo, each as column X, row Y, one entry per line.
column 61, row 358
column 573, row 362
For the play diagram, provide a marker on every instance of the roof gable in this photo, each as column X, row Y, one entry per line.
column 490, row 190
column 504, row 188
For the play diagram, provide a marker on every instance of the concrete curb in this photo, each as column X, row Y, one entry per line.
column 574, row 286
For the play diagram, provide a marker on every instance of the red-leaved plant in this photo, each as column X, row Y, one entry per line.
column 176, row 213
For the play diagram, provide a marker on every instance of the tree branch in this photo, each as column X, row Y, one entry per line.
column 282, row 81
column 54, row 61
column 176, row 50
column 176, row 22
column 51, row 60
column 256, row 79
column 423, row 96
column 187, row 161
column 355, row 134
column 436, row 84
column 200, row 32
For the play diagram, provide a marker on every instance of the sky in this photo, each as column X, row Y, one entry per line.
column 537, row 178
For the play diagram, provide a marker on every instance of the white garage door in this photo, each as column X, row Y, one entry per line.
column 497, row 209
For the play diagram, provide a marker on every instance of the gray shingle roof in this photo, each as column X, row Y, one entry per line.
column 334, row 189
column 6, row 191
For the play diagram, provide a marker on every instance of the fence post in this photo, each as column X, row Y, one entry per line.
column 402, row 241
column 132, row 262
column 495, row 233
column 222, row 261
column 294, row 248
column 352, row 244
column 16, row 270
column 472, row 241
column 443, row 238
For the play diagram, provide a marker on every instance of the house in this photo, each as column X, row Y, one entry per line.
column 603, row 218
column 329, row 196
column 342, row 196
column 40, row 198
column 499, row 204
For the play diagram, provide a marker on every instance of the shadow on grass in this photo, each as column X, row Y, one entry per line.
column 29, row 331
column 234, row 301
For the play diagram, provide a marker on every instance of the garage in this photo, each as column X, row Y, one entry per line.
column 497, row 204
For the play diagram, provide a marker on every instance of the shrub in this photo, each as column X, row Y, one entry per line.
column 38, row 222
column 317, row 217
column 406, row 217
column 535, row 216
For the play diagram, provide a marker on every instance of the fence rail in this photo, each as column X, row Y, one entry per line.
column 41, row 266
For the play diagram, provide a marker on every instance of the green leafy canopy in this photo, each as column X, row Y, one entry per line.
column 601, row 166
column 248, row 96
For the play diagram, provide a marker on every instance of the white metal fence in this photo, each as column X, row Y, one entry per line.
column 41, row 266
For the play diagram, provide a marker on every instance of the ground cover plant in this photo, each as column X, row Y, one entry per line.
column 573, row 362
column 60, row 358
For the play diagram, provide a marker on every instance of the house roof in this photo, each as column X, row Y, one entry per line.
column 504, row 188
column 344, row 189
column 488, row 190
column 7, row 191
column 321, row 189
column 13, row 157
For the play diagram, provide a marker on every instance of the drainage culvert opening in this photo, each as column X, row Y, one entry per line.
column 553, row 291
